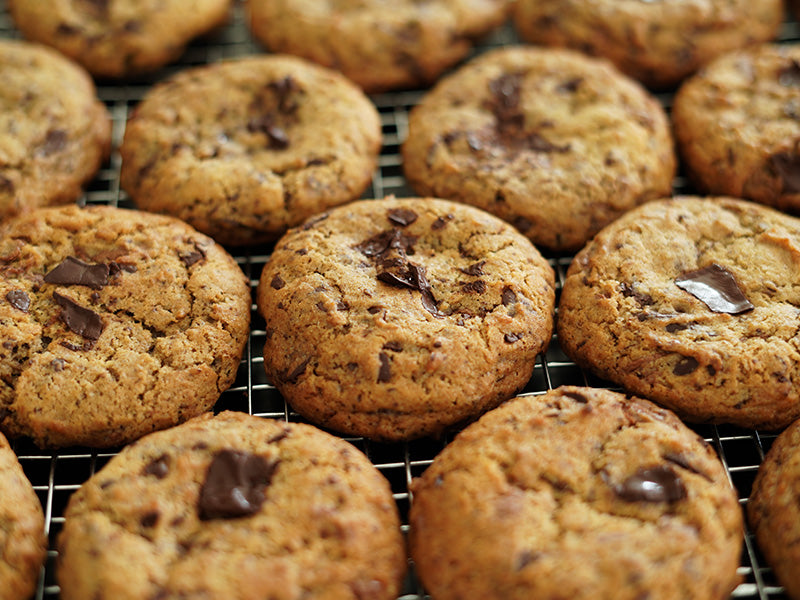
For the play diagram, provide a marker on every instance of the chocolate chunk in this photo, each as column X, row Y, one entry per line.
column 511, row 338
column 789, row 75
column 401, row 216
column 193, row 257
column 475, row 269
column 787, row 166
column 538, row 143
column 393, row 346
column 683, row 462
column 6, row 185
column 578, row 397
column 85, row 347
column 374, row 310
column 685, row 366
column 276, row 136
column 440, row 222
column 508, row 296
column 149, row 519
column 78, row 319
column 57, row 364
column 571, row 85
column 55, row 140
column 385, row 370
column 277, row 282
column 235, row 485
column 653, row 484
column 629, row 291
column 158, row 467
column 284, row 89
column 294, row 374
column 676, row 327
column 506, row 92
column 474, row 287
column 381, row 243
column 19, row 300
column 716, row 287
column 73, row 271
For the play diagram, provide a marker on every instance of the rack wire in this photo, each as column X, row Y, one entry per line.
column 55, row 475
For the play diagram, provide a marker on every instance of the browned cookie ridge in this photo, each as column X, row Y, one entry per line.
column 397, row 318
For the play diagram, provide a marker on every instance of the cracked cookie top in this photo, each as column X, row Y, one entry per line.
column 244, row 149
column 114, row 323
column 577, row 493
column 692, row 303
column 396, row 318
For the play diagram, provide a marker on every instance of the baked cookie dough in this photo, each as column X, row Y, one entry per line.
column 233, row 507
column 774, row 509
column 692, row 303
column 579, row 493
column 118, row 38
column 659, row 43
column 244, row 149
column 397, row 318
column 23, row 544
column 114, row 323
column 554, row 142
column 379, row 45
column 737, row 124
column 54, row 132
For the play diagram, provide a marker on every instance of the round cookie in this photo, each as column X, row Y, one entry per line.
column 233, row 507
column 114, row 323
column 244, row 149
column 737, row 124
column 54, row 132
column 554, row 142
column 397, row 318
column 379, row 45
column 773, row 509
column 692, row 303
column 23, row 543
column 580, row 493
column 118, row 38
column 658, row 43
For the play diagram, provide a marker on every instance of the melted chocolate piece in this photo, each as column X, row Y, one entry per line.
column 652, row 484
column 294, row 374
column 73, row 271
column 6, row 185
column 630, row 291
column 393, row 346
column 685, row 366
column 474, row 287
column 54, row 141
column 385, row 370
column 578, row 397
column 511, row 338
column 19, row 300
column 475, row 270
column 789, row 75
column 235, row 485
column 277, row 282
column 80, row 320
column 193, row 257
column 401, row 216
column 284, row 89
column 508, row 296
column 440, row 222
column 387, row 240
column 505, row 105
column 716, row 287
column 158, row 468
column 787, row 166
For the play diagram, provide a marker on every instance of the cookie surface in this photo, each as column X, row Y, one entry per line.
column 774, row 510
column 246, row 148
column 658, row 43
column 233, row 507
column 692, row 303
column 379, row 45
column 578, row 493
column 23, row 544
column 118, row 38
column 54, row 132
column 738, row 129
column 397, row 318
column 554, row 142
column 114, row 323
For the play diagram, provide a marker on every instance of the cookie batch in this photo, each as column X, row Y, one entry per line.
column 617, row 187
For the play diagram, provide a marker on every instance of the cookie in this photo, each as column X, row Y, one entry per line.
column 244, row 149
column 236, row 507
column 773, row 509
column 114, row 323
column 23, row 544
column 118, row 38
column 398, row 318
column 658, row 43
column 692, row 303
column 54, row 132
column 579, row 493
column 381, row 46
column 737, row 124
column 556, row 143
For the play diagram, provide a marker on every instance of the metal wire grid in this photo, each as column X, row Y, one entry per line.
column 55, row 475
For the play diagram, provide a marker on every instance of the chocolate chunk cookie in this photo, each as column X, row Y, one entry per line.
column 580, row 493
column 397, row 318
column 54, row 132
column 379, row 45
column 118, row 38
column 774, row 508
column 656, row 42
column 244, row 149
column 114, row 323
column 554, row 142
column 737, row 123
column 233, row 507
column 694, row 304
column 23, row 544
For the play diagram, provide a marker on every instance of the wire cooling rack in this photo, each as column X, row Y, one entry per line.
column 55, row 475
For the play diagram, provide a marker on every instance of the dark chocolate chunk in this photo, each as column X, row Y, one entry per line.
column 235, row 485
column 789, row 75
column 508, row 296
column 55, row 140
column 385, row 370
column 683, row 462
column 78, row 319
column 511, row 338
column 652, row 484
column 441, row 222
column 73, row 271
column 85, row 347
column 474, row 287
column 193, row 257
column 716, row 287
column 787, row 167
column 294, row 374
column 629, row 290
column 506, row 92
column 685, row 366
column 374, row 310
column 277, row 282
column 675, row 327
column 278, row 138
column 578, row 397
column 149, row 519
column 284, row 89
column 571, row 85
column 57, row 364
column 158, row 467
column 475, row 269
column 401, row 216
column 393, row 346
column 6, row 185
column 381, row 243
column 19, row 300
